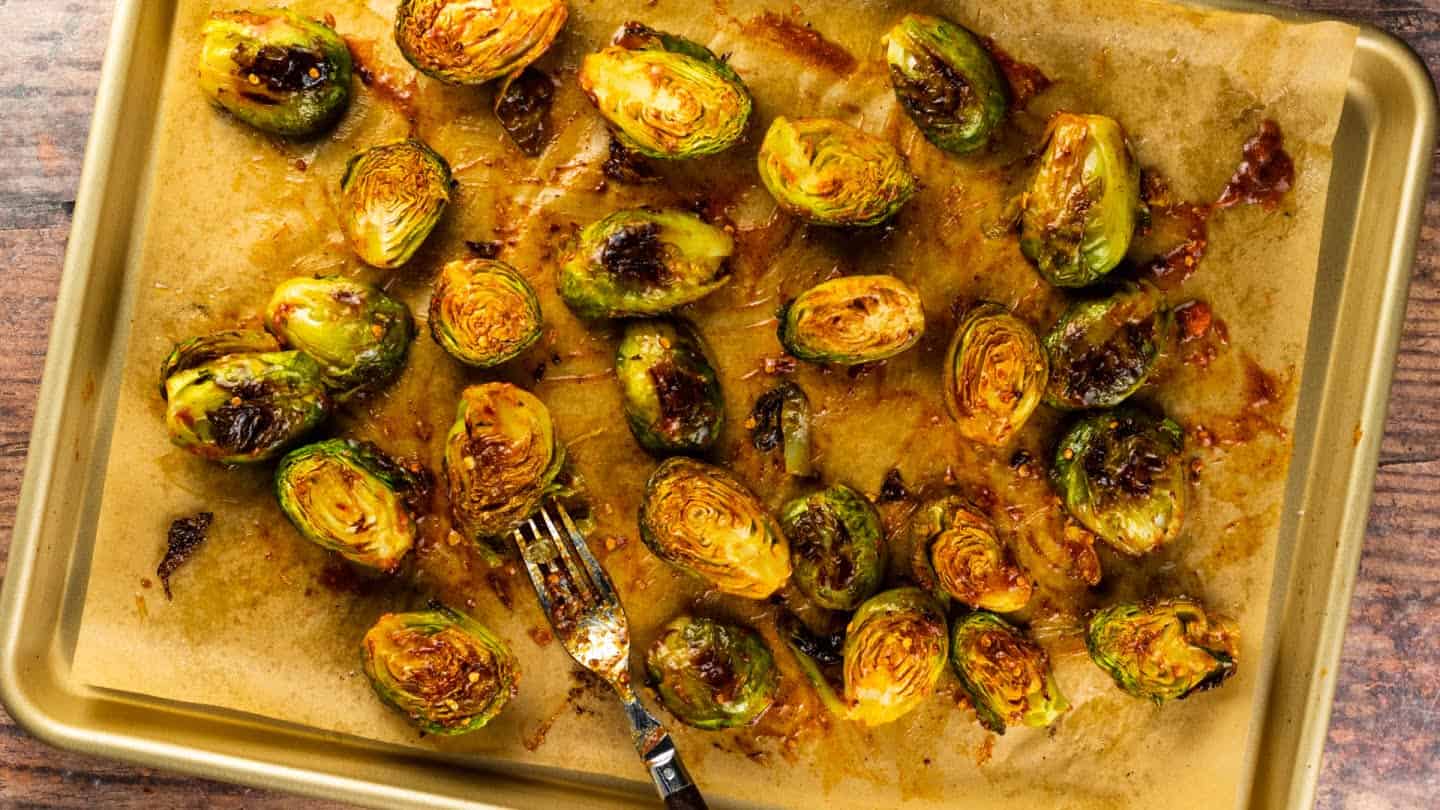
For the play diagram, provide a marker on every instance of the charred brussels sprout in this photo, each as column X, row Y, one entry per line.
column 501, row 459
column 1006, row 676
column 351, row 498
column 781, row 418
column 1102, row 350
column 483, row 312
column 701, row 518
column 665, row 96
column 672, row 397
column 358, row 334
column 946, row 81
column 447, row 672
column 853, row 320
column 1081, row 210
column 465, row 42
column 241, row 408
column 835, row 546
column 391, row 198
column 641, row 263
column 201, row 350
column 894, row 654
column 958, row 554
column 995, row 375
column 1164, row 650
column 827, row 172
column 710, row 674
column 275, row 70
column 1121, row 474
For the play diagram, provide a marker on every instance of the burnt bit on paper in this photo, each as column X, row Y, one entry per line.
column 186, row 535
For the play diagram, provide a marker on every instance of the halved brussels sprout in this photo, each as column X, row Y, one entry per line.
column 958, row 554
column 835, row 546
column 895, row 648
column 701, row 518
column 198, row 351
column 1165, row 650
column 946, row 81
column 501, row 459
column 641, row 263
column 391, row 198
column 358, row 334
column 672, row 397
column 351, row 498
column 1121, row 473
column 1006, row 676
column 483, row 312
column 1078, row 217
column 665, row 96
column 275, row 70
column 853, row 320
column 1103, row 349
column 712, row 674
column 995, row 375
column 781, row 418
column 827, row 172
column 242, row 408
column 468, row 42
column 447, row 672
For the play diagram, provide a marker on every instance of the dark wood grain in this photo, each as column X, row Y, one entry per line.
column 1384, row 741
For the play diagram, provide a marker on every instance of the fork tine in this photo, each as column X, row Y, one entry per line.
column 528, row 553
column 598, row 575
column 563, row 542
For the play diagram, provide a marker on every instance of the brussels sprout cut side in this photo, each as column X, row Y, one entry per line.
column 642, row 263
column 1165, row 650
column 391, row 198
column 852, row 320
column 358, row 334
column 700, row 518
column 483, row 312
column 711, row 674
column 946, row 81
column 275, row 70
column 1006, row 675
column 470, row 43
column 1081, row 210
column 351, row 498
column 1121, row 473
column 671, row 394
column 958, row 554
column 995, row 375
column 836, row 546
column 827, row 172
column 1102, row 350
column 445, row 671
column 665, row 96
column 894, row 653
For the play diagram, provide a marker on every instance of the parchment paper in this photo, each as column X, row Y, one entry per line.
column 264, row 622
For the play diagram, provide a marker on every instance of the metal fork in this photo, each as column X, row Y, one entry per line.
column 579, row 599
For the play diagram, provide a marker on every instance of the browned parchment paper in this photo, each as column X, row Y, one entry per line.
column 265, row 623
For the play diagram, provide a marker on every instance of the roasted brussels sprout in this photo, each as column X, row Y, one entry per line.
column 483, row 312
column 275, row 70
column 665, row 96
column 853, row 320
column 827, row 172
column 995, row 375
column 781, row 418
column 358, row 334
column 1081, row 210
column 711, row 674
column 465, row 42
column 672, row 396
column 894, row 654
column 1006, row 676
column 391, row 198
column 946, row 81
column 1103, row 349
column 640, row 263
column 701, row 518
column 351, row 498
column 198, row 351
column 1122, row 475
column 835, row 546
column 501, row 459
column 241, row 408
column 1165, row 650
column 447, row 672
column 958, row 554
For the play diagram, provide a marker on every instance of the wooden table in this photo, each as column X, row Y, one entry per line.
column 1384, row 744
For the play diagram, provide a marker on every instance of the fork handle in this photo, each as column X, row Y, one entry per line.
column 657, row 749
